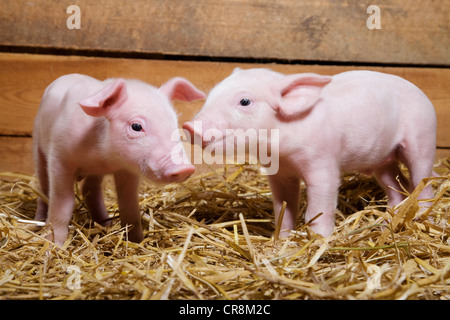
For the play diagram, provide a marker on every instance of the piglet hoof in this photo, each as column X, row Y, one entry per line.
column 135, row 235
column 57, row 242
column 322, row 229
column 284, row 233
column 104, row 223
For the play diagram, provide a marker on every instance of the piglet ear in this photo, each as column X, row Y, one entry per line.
column 299, row 93
column 181, row 89
column 101, row 103
column 236, row 70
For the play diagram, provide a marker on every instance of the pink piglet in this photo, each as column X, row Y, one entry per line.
column 86, row 128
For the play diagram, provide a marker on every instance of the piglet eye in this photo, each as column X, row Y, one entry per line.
column 245, row 102
column 136, row 127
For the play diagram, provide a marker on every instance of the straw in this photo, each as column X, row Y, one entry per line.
column 214, row 237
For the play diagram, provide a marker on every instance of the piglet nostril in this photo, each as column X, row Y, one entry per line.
column 181, row 173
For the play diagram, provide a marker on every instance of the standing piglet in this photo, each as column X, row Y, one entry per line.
column 86, row 128
column 354, row 121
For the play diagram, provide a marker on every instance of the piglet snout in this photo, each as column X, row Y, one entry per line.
column 195, row 133
column 189, row 127
column 179, row 173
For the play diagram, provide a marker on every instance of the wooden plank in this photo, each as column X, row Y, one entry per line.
column 16, row 155
column 412, row 32
column 23, row 79
column 442, row 153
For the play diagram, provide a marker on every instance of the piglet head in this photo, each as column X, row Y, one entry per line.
column 255, row 99
column 142, row 131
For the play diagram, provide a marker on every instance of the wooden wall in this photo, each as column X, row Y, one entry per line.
column 203, row 41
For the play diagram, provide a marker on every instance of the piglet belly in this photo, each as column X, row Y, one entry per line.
column 368, row 162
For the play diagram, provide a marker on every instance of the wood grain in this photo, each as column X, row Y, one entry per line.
column 412, row 32
column 23, row 79
column 16, row 155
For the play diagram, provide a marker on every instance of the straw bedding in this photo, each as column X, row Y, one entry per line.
column 211, row 237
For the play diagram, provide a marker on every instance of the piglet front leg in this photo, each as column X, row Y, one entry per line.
column 285, row 189
column 322, row 189
column 93, row 195
column 127, row 193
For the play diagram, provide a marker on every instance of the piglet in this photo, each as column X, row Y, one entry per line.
column 86, row 128
column 326, row 125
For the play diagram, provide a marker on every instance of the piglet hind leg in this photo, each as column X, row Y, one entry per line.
column 127, row 185
column 61, row 202
column 42, row 175
column 93, row 195
column 285, row 189
column 392, row 180
column 419, row 161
